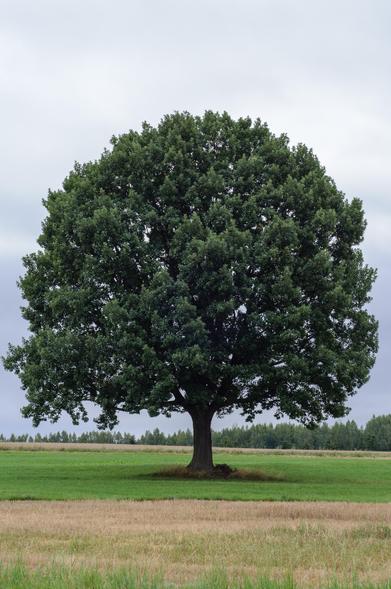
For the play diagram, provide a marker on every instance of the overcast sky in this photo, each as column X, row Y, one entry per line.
column 73, row 73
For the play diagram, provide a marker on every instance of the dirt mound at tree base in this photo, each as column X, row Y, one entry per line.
column 219, row 471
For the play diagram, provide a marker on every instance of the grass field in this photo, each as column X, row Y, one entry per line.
column 325, row 522
column 184, row 541
column 129, row 475
column 18, row 577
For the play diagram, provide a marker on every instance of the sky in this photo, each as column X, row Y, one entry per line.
column 74, row 73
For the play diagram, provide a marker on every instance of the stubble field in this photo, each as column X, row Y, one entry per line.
column 182, row 541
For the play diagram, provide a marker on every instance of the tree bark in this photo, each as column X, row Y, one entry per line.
column 202, row 440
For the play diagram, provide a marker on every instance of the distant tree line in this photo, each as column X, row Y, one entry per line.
column 96, row 437
column 375, row 435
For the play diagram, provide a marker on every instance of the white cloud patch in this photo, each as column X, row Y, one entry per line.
column 14, row 245
column 378, row 233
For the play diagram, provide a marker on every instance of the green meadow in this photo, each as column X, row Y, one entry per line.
column 132, row 475
column 18, row 577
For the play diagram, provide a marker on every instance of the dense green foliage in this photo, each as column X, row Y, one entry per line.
column 132, row 475
column 94, row 437
column 200, row 266
column 374, row 436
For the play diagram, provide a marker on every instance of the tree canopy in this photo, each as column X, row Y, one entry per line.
column 201, row 265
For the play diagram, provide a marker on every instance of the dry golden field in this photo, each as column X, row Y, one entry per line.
column 77, row 447
column 183, row 540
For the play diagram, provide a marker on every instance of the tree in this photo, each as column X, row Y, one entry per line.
column 200, row 266
column 378, row 433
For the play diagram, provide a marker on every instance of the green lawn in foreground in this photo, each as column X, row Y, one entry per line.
column 129, row 475
column 18, row 577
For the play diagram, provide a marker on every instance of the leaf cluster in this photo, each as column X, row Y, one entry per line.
column 202, row 263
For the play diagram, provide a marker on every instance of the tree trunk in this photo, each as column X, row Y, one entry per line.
column 202, row 440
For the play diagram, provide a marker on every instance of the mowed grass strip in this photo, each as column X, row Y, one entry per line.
column 132, row 475
column 183, row 542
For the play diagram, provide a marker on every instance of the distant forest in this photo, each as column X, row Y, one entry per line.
column 375, row 435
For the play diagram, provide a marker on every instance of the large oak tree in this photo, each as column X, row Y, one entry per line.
column 200, row 266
